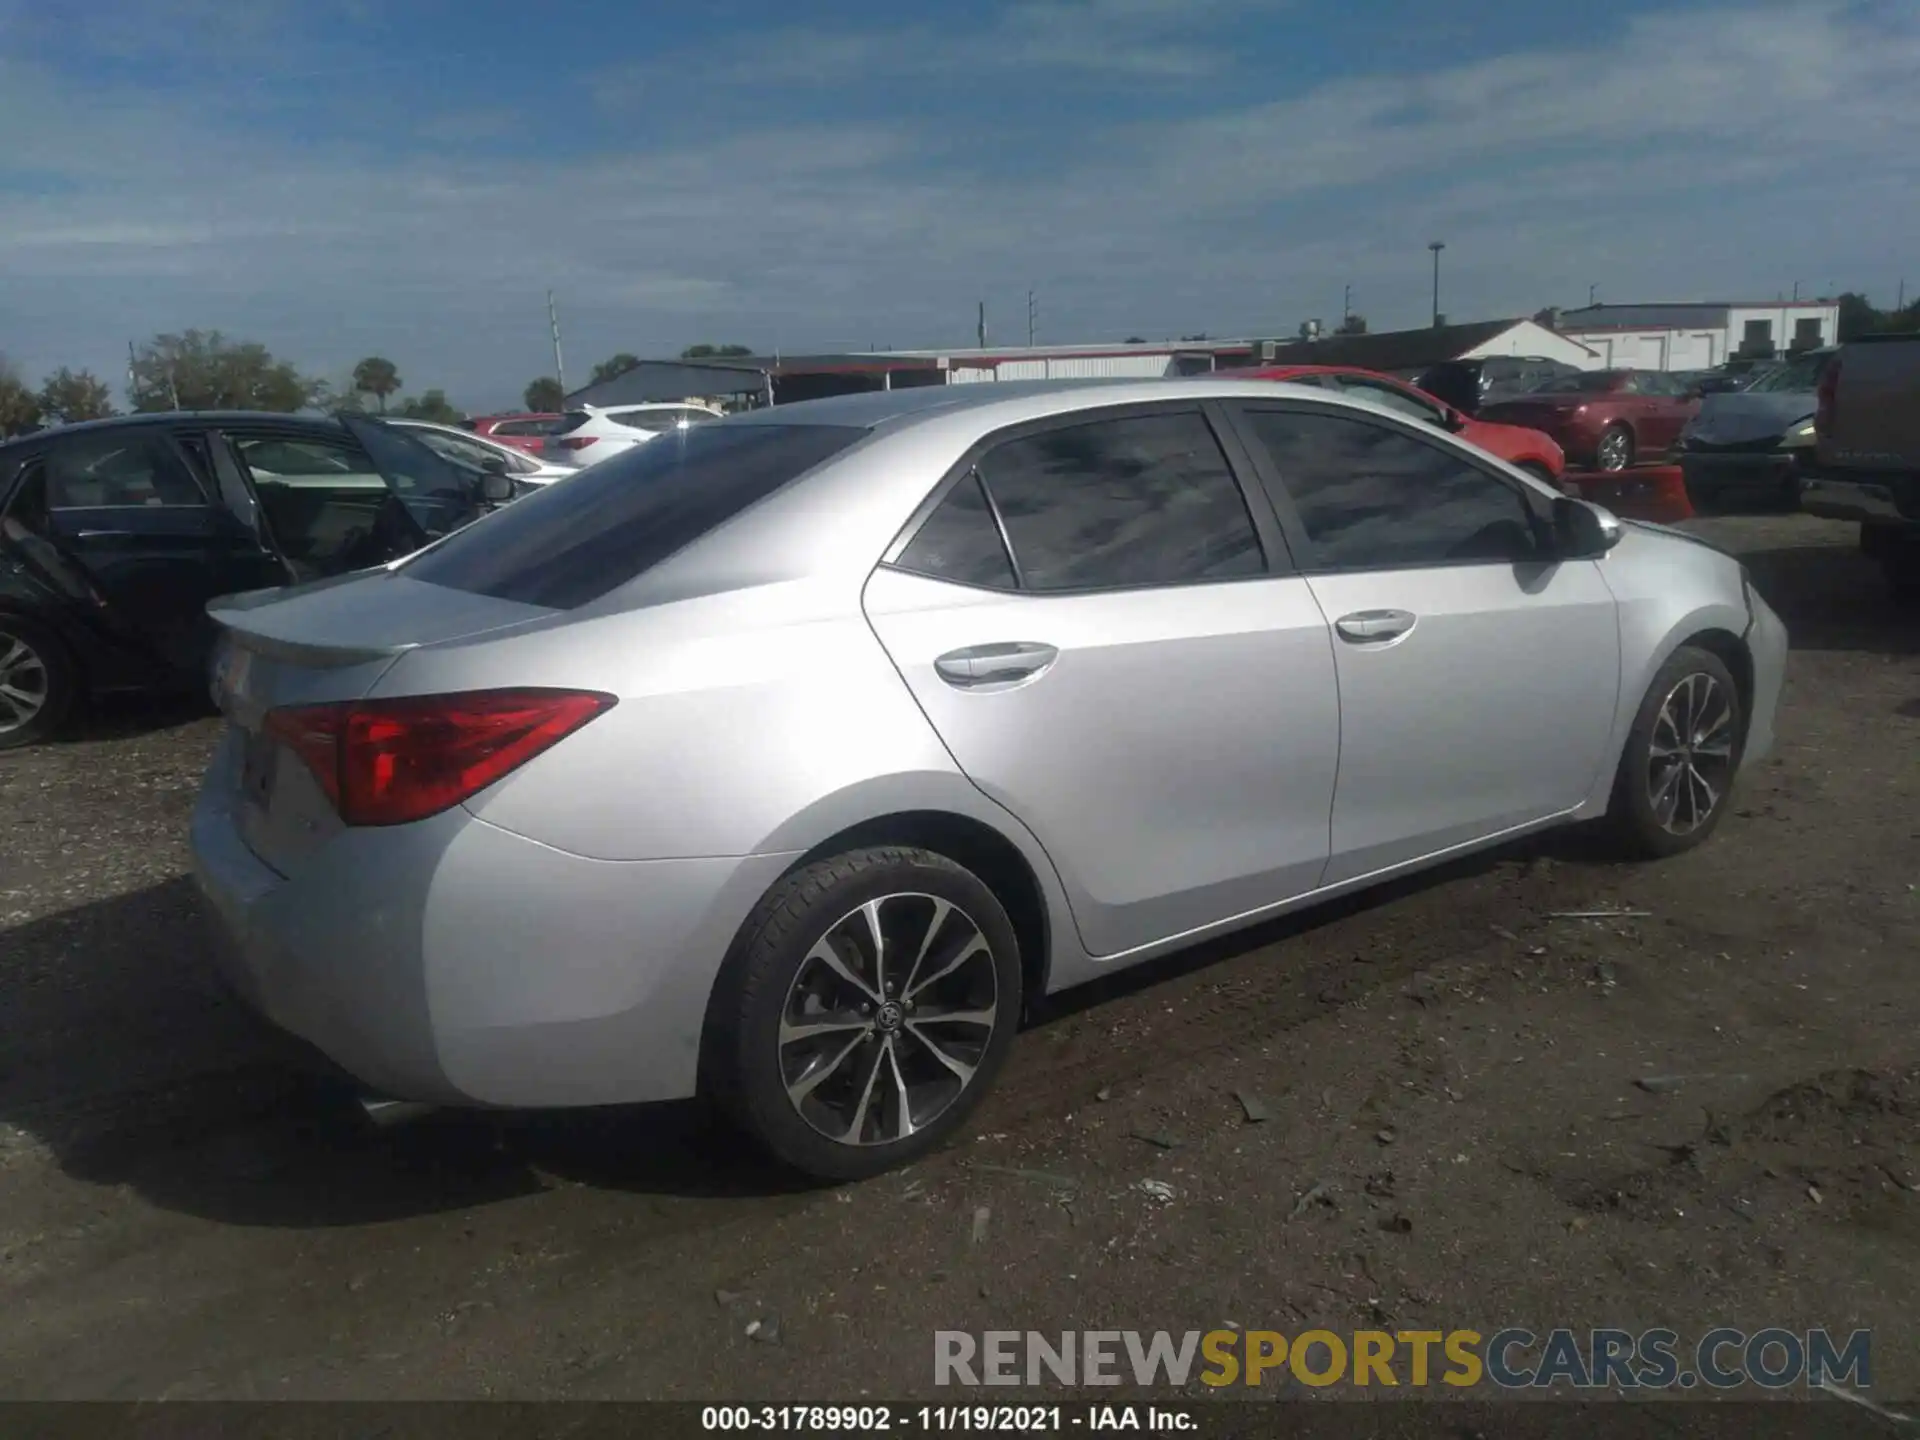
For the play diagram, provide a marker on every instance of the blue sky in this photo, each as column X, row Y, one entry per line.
column 338, row 177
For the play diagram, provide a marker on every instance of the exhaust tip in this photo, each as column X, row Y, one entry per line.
column 387, row 1113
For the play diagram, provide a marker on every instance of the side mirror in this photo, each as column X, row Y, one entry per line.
column 1582, row 531
column 496, row 487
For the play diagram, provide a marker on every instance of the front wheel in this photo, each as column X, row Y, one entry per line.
column 1680, row 757
column 868, row 1007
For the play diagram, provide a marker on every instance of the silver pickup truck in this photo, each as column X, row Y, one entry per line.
column 1867, row 435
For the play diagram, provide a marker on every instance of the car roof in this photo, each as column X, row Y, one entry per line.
column 992, row 404
column 155, row 418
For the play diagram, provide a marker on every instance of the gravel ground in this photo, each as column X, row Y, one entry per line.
column 1448, row 1072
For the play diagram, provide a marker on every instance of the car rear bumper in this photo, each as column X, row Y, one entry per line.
column 457, row 963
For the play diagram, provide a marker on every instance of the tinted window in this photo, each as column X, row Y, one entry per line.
column 90, row 471
column 572, row 543
column 1147, row 500
column 961, row 542
column 524, row 427
column 1370, row 497
column 470, row 452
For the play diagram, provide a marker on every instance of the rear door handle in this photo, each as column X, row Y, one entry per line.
column 1371, row 627
column 980, row 667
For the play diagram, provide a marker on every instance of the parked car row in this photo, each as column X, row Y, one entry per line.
column 115, row 534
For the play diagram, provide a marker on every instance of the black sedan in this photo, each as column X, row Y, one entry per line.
column 115, row 534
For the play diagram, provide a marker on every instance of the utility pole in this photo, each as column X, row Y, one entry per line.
column 130, row 375
column 1593, row 292
column 1033, row 315
column 1900, row 303
column 980, row 327
column 553, row 323
column 1436, row 246
column 1796, row 292
column 1346, row 302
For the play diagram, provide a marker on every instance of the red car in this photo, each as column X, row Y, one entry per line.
column 1606, row 419
column 522, row 432
column 1529, row 450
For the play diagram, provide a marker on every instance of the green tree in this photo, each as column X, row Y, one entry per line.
column 616, row 365
column 714, row 352
column 203, row 370
column 431, row 405
column 1134, row 340
column 544, row 396
column 69, row 396
column 1353, row 325
column 376, row 376
column 19, row 406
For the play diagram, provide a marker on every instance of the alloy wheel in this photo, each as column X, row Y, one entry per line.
column 24, row 683
column 1690, row 754
column 888, row 1019
column 1616, row 448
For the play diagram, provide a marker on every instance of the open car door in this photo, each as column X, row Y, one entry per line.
column 438, row 493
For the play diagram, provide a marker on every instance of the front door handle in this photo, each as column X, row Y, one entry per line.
column 1371, row 627
column 114, row 535
column 979, row 667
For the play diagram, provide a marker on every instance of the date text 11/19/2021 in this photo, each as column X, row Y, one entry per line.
column 947, row 1419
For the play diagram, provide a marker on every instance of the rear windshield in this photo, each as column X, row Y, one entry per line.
column 1800, row 373
column 591, row 533
column 569, row 422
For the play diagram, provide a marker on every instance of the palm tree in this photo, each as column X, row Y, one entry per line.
column 376, row 376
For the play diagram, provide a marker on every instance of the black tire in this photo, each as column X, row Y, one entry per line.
column 1619, row 434
column 50, row 664
column 774, row 969
column 1634, row 825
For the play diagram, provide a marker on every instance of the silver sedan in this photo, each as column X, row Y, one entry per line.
column 787, row 759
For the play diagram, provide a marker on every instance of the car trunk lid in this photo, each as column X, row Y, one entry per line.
column 327, row 642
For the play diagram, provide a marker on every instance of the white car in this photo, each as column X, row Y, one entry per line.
column 589, row 435
column 476, row 450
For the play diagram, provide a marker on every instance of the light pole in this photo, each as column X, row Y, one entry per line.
column 1436, row 246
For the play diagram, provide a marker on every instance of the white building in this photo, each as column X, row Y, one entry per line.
column 1699, row 336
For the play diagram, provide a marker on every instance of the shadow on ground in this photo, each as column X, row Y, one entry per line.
column 1833, row 598
column 122, row 1055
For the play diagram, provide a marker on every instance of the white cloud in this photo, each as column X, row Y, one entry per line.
column 1693, row 154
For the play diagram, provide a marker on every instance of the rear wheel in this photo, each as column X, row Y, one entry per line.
column 1680, row 758
column 1615, row 450
column 869, row 1005
column 38, row 682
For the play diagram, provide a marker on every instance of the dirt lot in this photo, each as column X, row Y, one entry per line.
column 1451, row 1066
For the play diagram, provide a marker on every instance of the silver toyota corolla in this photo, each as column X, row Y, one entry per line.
column 783, row 760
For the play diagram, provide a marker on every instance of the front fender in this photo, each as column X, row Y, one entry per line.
column 1670, row 588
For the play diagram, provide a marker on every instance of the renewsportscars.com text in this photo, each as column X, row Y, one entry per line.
column 1509, row 1359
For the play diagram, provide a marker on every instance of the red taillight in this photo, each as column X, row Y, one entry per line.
column 388, row 762
column 578, row 442
column 1826, row 399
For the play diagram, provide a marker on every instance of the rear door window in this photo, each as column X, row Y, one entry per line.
column 109, row 471
column 1143, row 500
column 573, row 543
